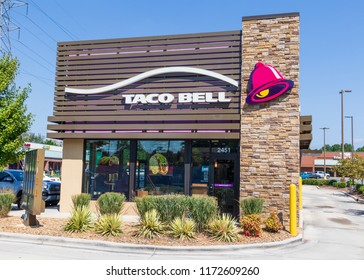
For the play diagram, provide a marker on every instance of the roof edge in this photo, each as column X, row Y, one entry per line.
column 271, row 16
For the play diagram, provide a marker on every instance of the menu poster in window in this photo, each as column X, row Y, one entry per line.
column 158, row 165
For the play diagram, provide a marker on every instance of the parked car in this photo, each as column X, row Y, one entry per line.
column 313, row 175
column 13, row 180
column 50, row 178
column 322, row 174
column 304, row 175
column 51, row 192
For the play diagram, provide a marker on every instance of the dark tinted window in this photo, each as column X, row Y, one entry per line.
column 2, row 175
column 19, row 175
column 160, row 167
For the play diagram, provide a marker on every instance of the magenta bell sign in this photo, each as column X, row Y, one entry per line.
column 266, row 83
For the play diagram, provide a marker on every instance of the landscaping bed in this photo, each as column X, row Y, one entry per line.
column 54, row 227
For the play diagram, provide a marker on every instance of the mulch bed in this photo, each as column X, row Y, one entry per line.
column 54, row 227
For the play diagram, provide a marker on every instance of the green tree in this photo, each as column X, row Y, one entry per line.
column 360, row 149
column 32, row 137
column 337, row 148
column 351, row 167
column 38, row 138
column 14, row 119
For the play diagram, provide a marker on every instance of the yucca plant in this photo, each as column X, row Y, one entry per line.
column 6, row 199
column 110, row 203
column 80, row 221
column 252, row 205
column 223, row 228
column 109, row 224
column 81, row 200
column 183, row 228
column 150, row 225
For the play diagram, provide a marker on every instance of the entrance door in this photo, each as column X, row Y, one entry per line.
column 224, row 183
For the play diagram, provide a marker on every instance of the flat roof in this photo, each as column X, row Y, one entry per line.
column 294, row 14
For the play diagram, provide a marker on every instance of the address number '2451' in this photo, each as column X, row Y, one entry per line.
column 224, row 150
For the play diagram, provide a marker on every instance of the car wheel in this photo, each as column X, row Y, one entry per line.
column 18, row 203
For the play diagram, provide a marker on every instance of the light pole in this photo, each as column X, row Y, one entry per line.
column 352, row 135
column 342, row 120
column 324, row 129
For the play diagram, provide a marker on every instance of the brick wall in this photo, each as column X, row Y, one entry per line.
column 270, row 131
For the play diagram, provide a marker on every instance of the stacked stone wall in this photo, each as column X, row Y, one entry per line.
column 269, row 152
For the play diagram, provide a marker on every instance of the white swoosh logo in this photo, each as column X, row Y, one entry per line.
column 151, row 73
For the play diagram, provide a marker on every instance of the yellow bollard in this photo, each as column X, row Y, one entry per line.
column 293, row 211
column 300, row 193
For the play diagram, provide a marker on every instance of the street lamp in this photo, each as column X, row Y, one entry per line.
column 352, row 135
column 324, row 129
column 342, row 120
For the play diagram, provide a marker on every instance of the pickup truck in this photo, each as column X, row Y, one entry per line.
column 322, row 174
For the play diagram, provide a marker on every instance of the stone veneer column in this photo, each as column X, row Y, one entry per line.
column 269, row 152
column 72, row 171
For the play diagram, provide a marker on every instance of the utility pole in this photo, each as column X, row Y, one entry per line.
column 342, row 121
column 324, row 129
column 6, row 25
column 352, row 135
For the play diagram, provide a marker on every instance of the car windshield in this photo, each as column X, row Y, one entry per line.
column 19, row 175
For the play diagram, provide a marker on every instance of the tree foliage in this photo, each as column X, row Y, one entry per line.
column 38, row 138
column 337, row 148
column 351, row 167
column 361, row 149
column 14, row 119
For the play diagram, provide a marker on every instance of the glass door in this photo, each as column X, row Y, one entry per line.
column 224, row 183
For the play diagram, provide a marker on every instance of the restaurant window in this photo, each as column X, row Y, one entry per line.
column 160, row 166
column 200, row 163
column 106, row 167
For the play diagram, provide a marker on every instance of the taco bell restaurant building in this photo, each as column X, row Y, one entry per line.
column 207, row 114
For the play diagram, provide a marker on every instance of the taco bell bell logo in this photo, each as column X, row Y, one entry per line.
column 266, row 83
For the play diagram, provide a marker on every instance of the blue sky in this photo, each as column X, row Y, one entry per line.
column 332, row 44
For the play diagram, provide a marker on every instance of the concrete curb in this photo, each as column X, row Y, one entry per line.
column 112, row 246
column 359, row 200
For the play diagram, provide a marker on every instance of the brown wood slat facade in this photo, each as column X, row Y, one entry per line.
column 93, row 64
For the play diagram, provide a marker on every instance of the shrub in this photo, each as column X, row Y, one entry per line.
column 361, row 189
column 317, row 182
column 358, row 186
column 251, row 225
column 80, row 221
column 110, row 203
column 81, row 200
column 331, row 182
column 183, row 228
column 223, row 228
column 202, row 210
column 109, row 224
column 339, row 184
column 150, row 225
column 325, row 182
column 272, row 223
column 310, row 181
column 252, row 205
column 6, row 199
column 169, row 207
